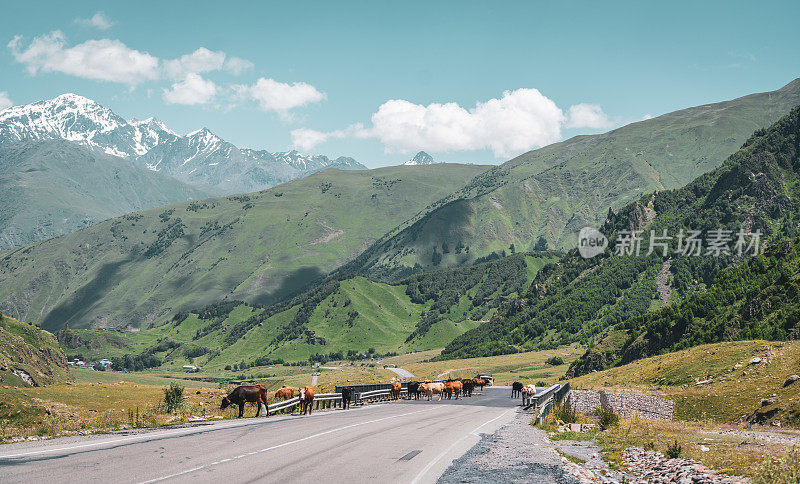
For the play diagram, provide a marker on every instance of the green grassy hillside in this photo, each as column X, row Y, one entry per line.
column 52, row 188
column 733, row 388
column 331, row 322
column 580, row 299
column 259, row 247
column 557, row 190
column 29, row 356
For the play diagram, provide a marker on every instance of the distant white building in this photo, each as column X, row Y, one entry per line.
column 105, row 363
column 190, row 367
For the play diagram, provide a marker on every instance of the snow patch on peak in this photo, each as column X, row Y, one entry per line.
column 420, row 158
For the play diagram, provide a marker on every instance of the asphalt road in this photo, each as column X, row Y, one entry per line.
column 406, row 441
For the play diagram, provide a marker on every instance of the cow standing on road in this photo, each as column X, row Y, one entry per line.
column 468, row 385
column 453, row 388
column 396, row 388
column 479, row 382
column 516, row 389
column 413, row 390
column 247, row 394
column 306, row 400
column 347, row 393
column 429, row 389
column 528, row 391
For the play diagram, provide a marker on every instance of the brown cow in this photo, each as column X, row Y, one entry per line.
column 396, row 387
column 451, row 388
column 306, row 400
column 479, row 382
column 247, row 394
column 284, row 393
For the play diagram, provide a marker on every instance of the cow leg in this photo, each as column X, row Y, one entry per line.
column 241, row 410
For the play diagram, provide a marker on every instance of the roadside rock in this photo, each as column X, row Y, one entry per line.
column 755, row 360
column 791, row 380
column 651, row 466
column 769, row 401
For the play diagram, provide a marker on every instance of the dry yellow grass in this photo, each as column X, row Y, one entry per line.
column 735, row 390
column 727, row 453
column 524, row 367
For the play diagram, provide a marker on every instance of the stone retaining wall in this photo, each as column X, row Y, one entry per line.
column 626, row 404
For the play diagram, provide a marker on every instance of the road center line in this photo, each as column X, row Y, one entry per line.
column 314, row 436
column 439, row 457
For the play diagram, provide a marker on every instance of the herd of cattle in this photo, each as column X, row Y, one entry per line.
column 257, row 394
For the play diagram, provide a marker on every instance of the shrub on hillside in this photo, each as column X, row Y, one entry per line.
column 674, row 450
column 173, row 397
column 555, row 361
column 608, row 417
column 566, row 413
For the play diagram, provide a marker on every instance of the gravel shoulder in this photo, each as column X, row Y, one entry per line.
column 517, row 452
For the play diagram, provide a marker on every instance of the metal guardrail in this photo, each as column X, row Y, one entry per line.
column 326, row 399
column 540, row 396
column 554, row 398
column 277, row 407
column 379, row 395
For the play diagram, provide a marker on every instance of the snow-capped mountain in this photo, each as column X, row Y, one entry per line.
column 200, row 157
column 420, row 158
column 76, row 118
column 311, row 163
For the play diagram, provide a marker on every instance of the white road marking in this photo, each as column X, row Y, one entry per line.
column 447, row 450
column 147, row 436
column 338, row 429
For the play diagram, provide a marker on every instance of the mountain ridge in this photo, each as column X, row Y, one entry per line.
column 54, row 187
column 556, row 190
column 259, row 247
column 200, row 157
column 754, row 190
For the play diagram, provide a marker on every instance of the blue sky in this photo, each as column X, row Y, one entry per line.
column 379, row 80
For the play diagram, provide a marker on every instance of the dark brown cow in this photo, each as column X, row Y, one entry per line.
column 413, row 390
column 284, row 393
column 246, row 394
column 396, row 387
column 306, row 400
column 516, row 389
column 469, row 385
column 347, row 393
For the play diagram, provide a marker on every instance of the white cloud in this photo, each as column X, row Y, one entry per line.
column 201, row 60
column 646, row 117
column 517, row 122
column 192, row 90
column 237, row 65
column 306, row 139
column 111, row 60
column 99, row 21
column 277, row 96
column 5, row 102
column 103, row 60
column 585, row 115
